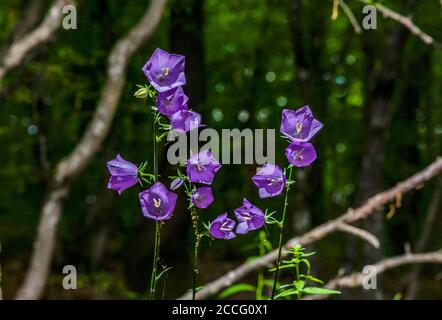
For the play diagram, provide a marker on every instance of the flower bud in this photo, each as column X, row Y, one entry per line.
column 176, row 184
column 141, row 93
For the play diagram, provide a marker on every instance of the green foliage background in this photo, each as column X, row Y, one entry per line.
column 249, row 67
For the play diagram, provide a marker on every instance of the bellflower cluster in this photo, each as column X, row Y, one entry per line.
column 201, row 168
column 157, row 202
column 249, row 218
column 165, row 73
column 299, row 127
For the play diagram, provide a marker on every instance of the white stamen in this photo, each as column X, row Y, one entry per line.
column 157, row 203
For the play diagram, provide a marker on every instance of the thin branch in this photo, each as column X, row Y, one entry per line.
column 405, row 21
column 70, row 167
column 40, row 35
column 352, row 215
column 335, row 10
column 356, row 279
column 354, row 22
column 360, row 233
column 30, row 16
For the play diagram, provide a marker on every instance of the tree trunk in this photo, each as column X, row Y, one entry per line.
column 377, row 119
column 308, row 30
column 187, row 38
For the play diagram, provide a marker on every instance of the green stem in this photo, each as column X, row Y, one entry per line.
column 155, row 156
column 260, row 284
column 195, row 271
column 153, row 277
column 194, row 216
column 281, row 225
column 298, row 278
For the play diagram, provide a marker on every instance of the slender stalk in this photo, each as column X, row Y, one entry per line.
column 155, row 155
column 281, row 226
column 153, row 277
column 260, row 283
column 298, row 277
column 194, row 216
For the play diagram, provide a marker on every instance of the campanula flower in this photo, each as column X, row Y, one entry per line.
column 222, row 227
column 165, row 71
column 171, row 101
column 185, row 120
column 299, row 125
column 249, row 216
column 202, row 197
column 158, row 202
column 123, row 174
column 202, row 167
column 270, row 180
column 300, row 154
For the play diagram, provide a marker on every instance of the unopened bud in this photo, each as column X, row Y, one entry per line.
column 176, row 184
column 141, row 93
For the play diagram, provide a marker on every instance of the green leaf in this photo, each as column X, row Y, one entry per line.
column 308, row 254
column 267, row 245
column 286, row 294
column 315, row 290
column 206, row 225
column 307, row 263
column 311, row 278
column 240, row 287
column 299, row 284
column 286, row 266
column 397, row 296
column 158, row 276
column 285, row 286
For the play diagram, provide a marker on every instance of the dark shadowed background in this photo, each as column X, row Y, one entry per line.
column 378, row 94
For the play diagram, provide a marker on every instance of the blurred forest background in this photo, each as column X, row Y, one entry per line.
column 378, row 94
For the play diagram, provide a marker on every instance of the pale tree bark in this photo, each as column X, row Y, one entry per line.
column 17, row 51
column 407, row 22
column 71, row 166
column 351, row 216
column 29, row 19
column 357, row 279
